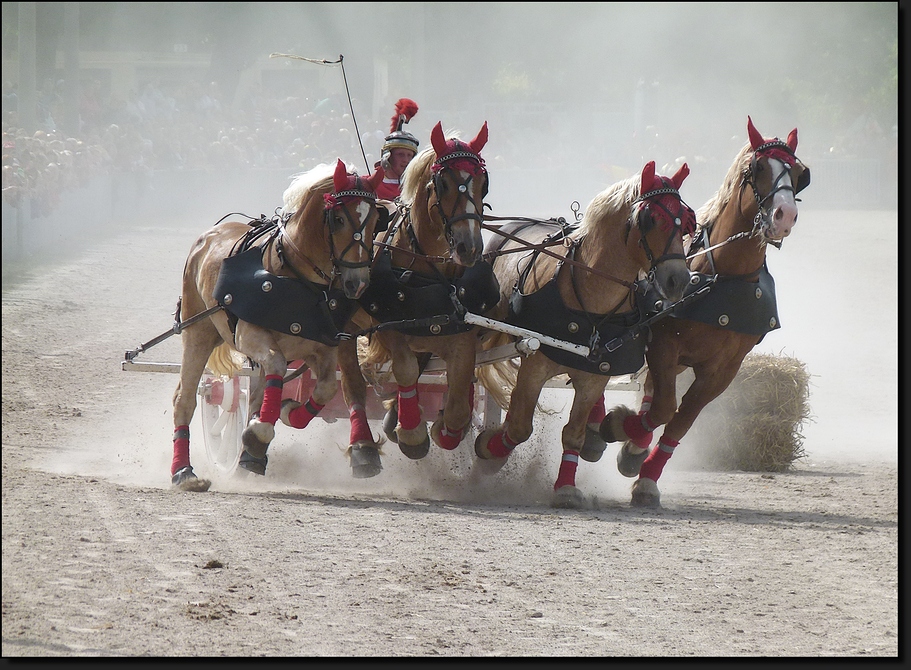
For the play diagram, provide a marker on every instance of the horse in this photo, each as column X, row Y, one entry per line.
column 590, row 294
column 755, row 206
column 428, row 271
column 278, row 290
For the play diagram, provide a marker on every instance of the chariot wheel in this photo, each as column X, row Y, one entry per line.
column 224, row 409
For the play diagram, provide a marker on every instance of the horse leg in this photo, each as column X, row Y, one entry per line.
column 259, row 345
column 588, row 388
column 449, row 430
column 198, row 344
column 498, row 443
column 411, row 431
column 322, row 363
column 247, row 461
column 706, row 387
column 595, row 444
column 363, row 451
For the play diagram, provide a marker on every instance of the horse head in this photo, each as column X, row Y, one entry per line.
column 662, row 218
column 776, row 177
column 351, row 215
column 460, row 183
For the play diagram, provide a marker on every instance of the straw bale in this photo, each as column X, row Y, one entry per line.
column 755, row 425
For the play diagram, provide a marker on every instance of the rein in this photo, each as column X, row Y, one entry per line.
column 542, row 247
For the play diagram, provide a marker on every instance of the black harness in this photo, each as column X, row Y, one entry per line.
column 411, row 302
column 290, row 305
column 545, row 312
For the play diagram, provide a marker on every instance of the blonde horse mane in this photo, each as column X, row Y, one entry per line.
column 609, row 202
column 711, row 210
column 303, row 185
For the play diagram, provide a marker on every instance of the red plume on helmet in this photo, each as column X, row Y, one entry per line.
column 405, row 109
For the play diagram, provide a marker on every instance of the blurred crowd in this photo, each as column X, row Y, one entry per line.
column 187, row 128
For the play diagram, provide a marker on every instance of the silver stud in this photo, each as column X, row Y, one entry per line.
column 400, row 296
column 462, row 188
column 461, row 291
column 228, row 298
column 435, row 329
column 723, row 320
column 356, row 237
column 267, row 286
column 573, row 327
column 758, row 293
column 604, row 367
column 333, row 304
column 772, row 322
column 695, row 279
column 373, row 307
column 295, row 328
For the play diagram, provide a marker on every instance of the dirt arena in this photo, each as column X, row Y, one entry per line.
column 435, row 557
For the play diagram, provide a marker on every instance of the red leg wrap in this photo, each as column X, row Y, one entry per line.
column 272, row 400
column 567, row 475
column 500, row 446
column 646, row 404
column 360, row 430
column 450, row 439
column 654, row 464
column 409, row 410
column 598, row 412
column 301, row 416
column 639, row 430
column 181, row 457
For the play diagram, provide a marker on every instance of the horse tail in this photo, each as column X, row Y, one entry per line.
column 499, row 379
column 225, row 360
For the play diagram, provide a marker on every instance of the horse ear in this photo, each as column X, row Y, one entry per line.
column 792, row 140
column 682, row 174
column 480, row 140
column 340, row 178
column 648, row 177
column 755, row 138
column 437, row 140
column 376, row 178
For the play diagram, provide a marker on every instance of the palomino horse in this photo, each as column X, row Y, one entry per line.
column 755, row 206
column 278, row 291
column 587, row 295
column 429, row 268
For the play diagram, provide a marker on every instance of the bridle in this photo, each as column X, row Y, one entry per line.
column 682, row 222
column 772, row 149
column 463, row 186
column 358, row 239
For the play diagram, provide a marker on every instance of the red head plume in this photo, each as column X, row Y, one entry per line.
column 404, row 107
column 648, row 178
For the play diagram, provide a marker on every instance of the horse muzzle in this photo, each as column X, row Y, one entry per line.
column 671, row 278
column 355, row 281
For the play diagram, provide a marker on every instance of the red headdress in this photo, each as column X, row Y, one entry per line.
column 665, row 192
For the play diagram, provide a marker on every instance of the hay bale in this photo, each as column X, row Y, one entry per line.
column 755, row 425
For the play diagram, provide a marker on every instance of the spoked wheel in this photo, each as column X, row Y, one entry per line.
column 224, row 408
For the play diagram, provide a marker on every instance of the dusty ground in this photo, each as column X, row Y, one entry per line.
column 101, row 558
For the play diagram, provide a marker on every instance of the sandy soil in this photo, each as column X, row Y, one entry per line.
column 432, row 557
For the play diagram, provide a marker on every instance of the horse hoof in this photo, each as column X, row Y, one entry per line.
column 390, row 421
column 594, row 445
column 252, row 439
column 252, row 464
column 629, row 463
column 611, row 429
column 568, row 497
column 186, row 480
column 444, row 441
column 481, row 446
column 416, row 451
column 288, row 406
column 365, row 460
column 646, row 494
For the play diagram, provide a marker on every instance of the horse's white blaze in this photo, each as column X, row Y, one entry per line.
column 783, row 207
column 469, row 207
column 363, row 211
